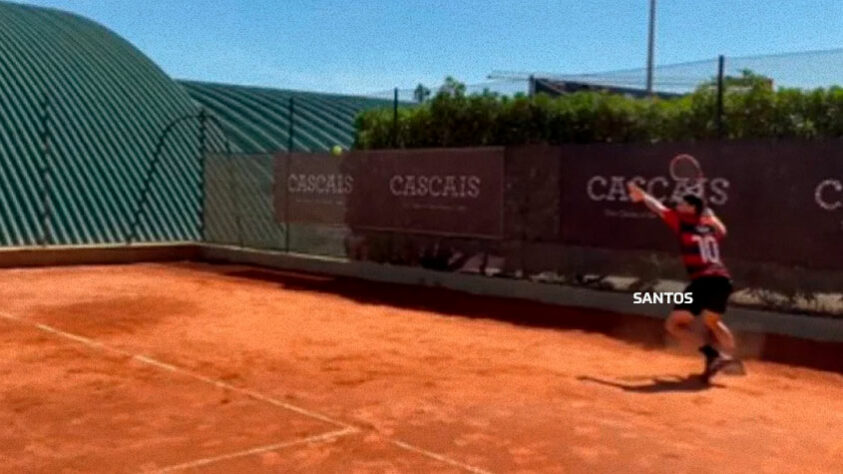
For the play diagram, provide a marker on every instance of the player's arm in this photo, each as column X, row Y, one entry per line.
column 709, row 217
column 667, row 215
column 639, row 195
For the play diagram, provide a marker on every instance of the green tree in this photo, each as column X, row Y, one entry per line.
column 452, row 87
column 421, row 93
column 751, row 109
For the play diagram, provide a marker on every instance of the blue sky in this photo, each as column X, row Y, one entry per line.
column 363, row 46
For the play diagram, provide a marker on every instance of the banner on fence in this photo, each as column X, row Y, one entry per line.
column 450, row 192
column 781, row 200
column 311, row 188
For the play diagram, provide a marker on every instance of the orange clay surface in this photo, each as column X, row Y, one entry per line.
column 199, row 368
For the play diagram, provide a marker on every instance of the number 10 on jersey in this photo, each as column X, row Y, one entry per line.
column 709, row 250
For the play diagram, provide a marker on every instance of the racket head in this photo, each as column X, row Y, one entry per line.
column 684, row 167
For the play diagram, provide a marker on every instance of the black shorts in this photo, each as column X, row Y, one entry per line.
column 709, row 293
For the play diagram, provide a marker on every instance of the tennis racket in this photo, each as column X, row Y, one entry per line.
column 687, row 172
column 686, row 168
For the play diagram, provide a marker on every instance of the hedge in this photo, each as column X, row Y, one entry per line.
column 752, row 109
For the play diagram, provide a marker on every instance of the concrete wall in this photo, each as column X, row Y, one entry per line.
column 799, row 339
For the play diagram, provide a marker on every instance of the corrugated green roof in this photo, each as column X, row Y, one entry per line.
column 257, row 119
column 108, row 105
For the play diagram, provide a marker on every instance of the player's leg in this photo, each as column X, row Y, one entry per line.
column 725, row 360
column 681, row 325
column 714, row 322
column 716, row 297
column 685, row 324
column 691, row 332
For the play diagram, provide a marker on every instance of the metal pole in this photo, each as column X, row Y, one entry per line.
column 203, row 119
column 235, row 191
column 651, row 47
column 152, row 171
column 720, row 69
column 395, row 119
column 290, row 145
column 46, row 212
column 291, row 108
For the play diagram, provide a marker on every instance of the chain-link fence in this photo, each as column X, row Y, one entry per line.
column 804, row 69
column 213, row 175
column 544, row 213
column 719, row 84
column 240, row 210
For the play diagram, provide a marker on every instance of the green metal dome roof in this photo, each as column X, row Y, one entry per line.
column 108, row 104
column 87, row 155
column 257, row 119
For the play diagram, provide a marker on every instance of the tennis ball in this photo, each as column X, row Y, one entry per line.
column 336, row 150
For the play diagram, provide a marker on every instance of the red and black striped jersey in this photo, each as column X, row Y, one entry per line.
column 699, row 243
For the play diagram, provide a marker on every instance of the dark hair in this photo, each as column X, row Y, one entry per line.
column 696, row 201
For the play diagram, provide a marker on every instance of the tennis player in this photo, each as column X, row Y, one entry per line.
column 700, row 233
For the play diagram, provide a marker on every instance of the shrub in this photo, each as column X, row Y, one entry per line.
column 751, row 109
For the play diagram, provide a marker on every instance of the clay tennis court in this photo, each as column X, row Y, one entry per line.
column 200, row 368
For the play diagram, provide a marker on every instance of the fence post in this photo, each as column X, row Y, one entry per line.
column 235, row 192
column 651, row 35
column 45, row 172
column 395, row 119
column 203, row 122
column 290, row 146
column 720, row 67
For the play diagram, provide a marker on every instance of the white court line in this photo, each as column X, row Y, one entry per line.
column 244, row 391
column 323, row 438
column 178, row 370
column 438, row 457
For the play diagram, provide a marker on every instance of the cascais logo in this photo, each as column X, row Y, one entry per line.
column 320, row 184
column 436, row 186
column 613, row 188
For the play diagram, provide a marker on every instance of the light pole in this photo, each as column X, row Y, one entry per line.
column 651, row 47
